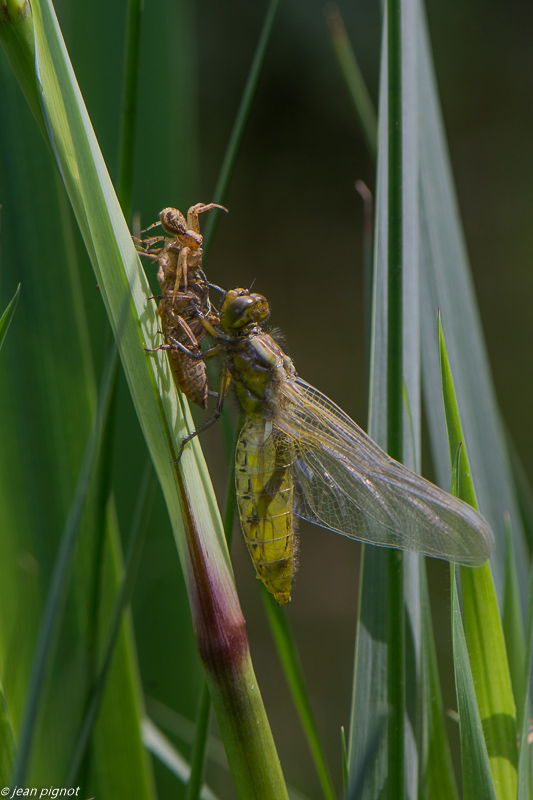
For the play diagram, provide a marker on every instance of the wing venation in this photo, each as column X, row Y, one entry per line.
column 345, row 482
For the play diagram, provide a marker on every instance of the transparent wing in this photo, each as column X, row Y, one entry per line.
column 345, row 482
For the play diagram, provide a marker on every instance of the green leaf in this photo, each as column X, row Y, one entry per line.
column 477, row 778
column 513, row 629
column 483, row 628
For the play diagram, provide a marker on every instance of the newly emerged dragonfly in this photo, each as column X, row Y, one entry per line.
column 299, row 454
column 184, row 294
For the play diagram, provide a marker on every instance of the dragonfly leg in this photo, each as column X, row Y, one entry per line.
column 161, row 347
column 211, row 351
column 225, row 380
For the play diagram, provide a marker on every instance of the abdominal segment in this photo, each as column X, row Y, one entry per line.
column 265, row 497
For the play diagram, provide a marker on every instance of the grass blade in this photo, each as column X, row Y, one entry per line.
column 353, row 78
column 482, row 627
column 162, row 748
column 513, row 630
column 477, row 778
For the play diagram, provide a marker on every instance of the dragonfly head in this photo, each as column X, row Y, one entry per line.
column 240, row 308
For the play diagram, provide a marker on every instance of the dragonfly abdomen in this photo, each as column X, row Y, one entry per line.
column 265, row 496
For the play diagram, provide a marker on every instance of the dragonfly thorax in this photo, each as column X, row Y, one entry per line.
column 257, row 365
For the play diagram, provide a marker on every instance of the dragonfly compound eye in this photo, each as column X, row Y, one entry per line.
column 238, row 311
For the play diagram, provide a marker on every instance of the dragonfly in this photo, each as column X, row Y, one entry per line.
column 299, row 455
column 184, row 293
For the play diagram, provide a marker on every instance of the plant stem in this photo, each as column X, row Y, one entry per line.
column 396, row 615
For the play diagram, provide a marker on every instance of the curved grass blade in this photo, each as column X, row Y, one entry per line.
column 16, row 35
column 477, row 778
column 353, row 78
column 7, row 316
column 125, row 292
column 482, row 625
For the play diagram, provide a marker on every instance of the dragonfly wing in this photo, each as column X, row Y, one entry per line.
column 345, row 482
